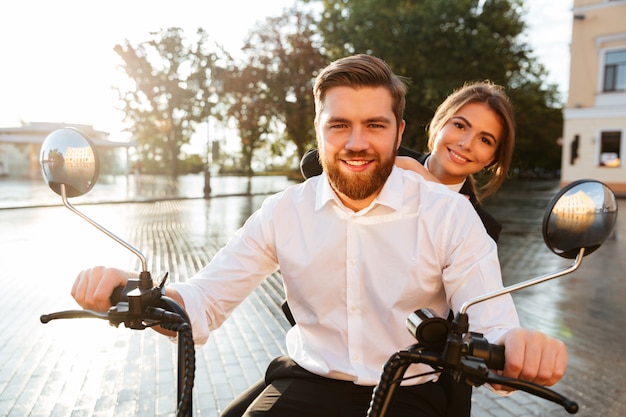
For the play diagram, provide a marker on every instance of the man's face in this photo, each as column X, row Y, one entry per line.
column 357, row 139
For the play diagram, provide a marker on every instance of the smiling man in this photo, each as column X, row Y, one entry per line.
column 358, row 136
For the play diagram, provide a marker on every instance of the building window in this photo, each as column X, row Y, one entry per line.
column 615, row 71
column 610, row 149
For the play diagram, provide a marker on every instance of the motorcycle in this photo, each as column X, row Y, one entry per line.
column 579, row 218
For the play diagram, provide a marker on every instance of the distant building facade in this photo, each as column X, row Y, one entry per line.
column 594, row 132
column 20, row 146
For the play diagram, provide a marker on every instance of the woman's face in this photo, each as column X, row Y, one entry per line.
column 466, row 143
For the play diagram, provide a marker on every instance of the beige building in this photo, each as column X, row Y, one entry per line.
column 594, row 136
column 20, row 146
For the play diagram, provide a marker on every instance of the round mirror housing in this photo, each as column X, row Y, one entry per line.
column 69, row 158
column 581, row 215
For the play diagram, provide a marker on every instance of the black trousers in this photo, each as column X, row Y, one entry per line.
column 293, row 391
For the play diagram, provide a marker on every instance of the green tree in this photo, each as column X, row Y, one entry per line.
column 439, row 45
column 169, row 95
column 286, row 52
column 539, row 126
column 247, row 101
column 192, row 164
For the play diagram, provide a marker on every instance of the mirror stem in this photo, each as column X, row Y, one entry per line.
column 67, row 204
column 524, row 284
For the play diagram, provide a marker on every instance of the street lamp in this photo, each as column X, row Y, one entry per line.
column 214, row 88
column 207, row 169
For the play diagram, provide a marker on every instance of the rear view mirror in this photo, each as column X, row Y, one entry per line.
column 581, row 215
column 69, row 158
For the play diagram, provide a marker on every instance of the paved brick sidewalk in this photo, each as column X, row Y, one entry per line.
column 87, row 368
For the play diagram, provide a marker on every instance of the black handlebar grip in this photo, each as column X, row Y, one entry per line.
column 116, row 295
column 493, row 355
column 496, row 359
column 121, row 293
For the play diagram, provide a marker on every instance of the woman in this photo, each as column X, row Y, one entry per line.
column 472, row 130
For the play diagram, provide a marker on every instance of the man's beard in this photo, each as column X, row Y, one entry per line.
column 357, row 185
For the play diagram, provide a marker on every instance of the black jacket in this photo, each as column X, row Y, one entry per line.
column 310, row 167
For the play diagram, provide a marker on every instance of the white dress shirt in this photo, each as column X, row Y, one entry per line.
column 353, row 278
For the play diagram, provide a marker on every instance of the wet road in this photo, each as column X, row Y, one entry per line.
column 85, row 367
column 585, row 309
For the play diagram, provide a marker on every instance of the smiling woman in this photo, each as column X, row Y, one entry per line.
column 466, row 144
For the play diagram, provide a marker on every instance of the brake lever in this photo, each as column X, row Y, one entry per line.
column 115, row 316
column 73, row 314
column 532, row 388
column 474, row 371
column 119, row 314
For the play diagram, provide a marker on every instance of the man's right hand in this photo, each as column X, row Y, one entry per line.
column 94, row 286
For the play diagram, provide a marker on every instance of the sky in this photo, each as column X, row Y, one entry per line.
column 58, row 65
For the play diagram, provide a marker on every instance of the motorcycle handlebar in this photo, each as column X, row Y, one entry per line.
column 447, row 346
column 493, row 355
column 473, row 367
column 496, row 361
column 121, row 293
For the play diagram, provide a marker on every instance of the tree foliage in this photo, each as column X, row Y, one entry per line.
column 539, row 126
column 170, row 94
column 247, row 103
column 440, row 44
column 286, row 51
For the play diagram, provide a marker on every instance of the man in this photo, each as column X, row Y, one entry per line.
column 359, row 247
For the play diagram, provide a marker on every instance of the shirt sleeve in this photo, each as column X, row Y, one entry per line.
column 472, row 269
column 237, row 269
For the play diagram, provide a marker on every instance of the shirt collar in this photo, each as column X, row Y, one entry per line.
column 391, row 194
column 454, row 187
column 325, row 192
